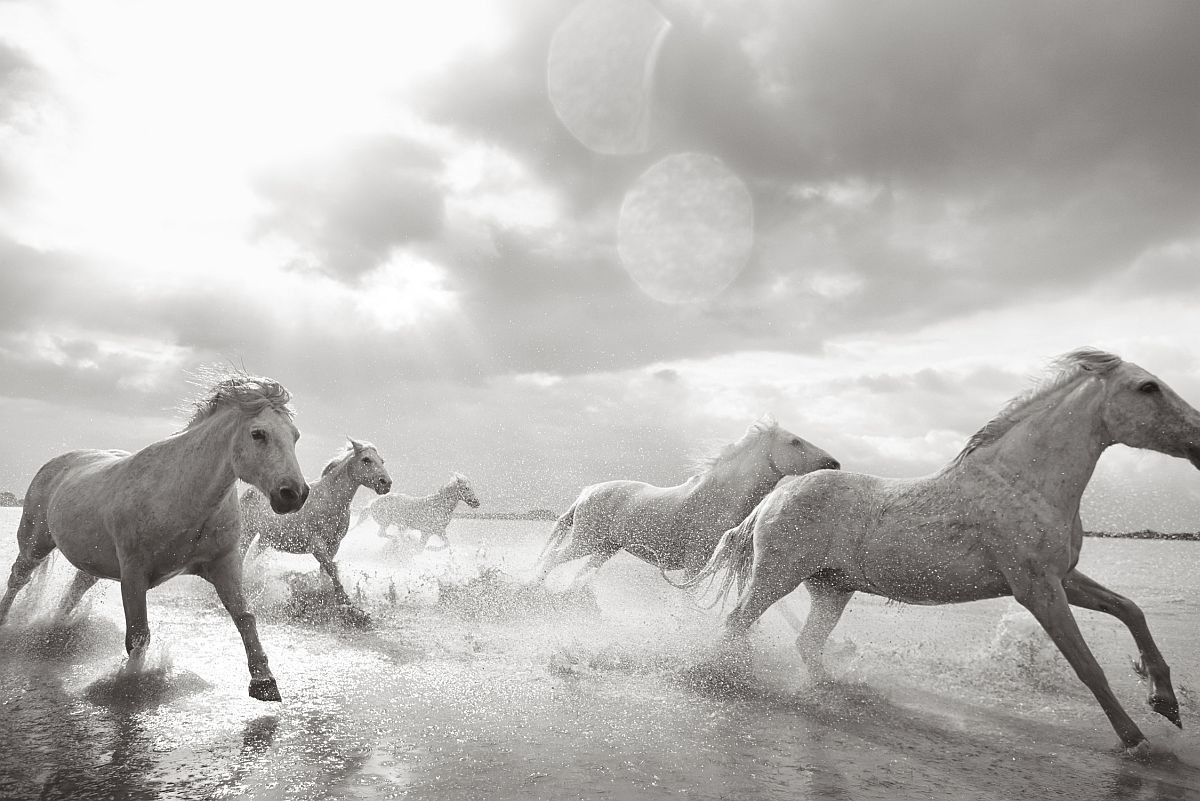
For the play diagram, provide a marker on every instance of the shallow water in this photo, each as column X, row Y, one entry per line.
column 465, row 687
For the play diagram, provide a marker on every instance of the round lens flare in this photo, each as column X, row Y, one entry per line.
column 686, row 228
column 600, row 73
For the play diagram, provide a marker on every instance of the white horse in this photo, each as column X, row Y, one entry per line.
column 1001, row 519
column 678, row 527
column 321, row 525
column 429, row 514
column 167, row 510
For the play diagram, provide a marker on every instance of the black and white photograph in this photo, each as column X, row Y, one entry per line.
column 729, row 400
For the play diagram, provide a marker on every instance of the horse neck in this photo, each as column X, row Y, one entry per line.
column 337, row 484
column 741, row 481
column 197, row 464
column 447, row 497
column 1054, row 451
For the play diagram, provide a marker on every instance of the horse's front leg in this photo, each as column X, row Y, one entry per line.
column 134, row 585
column 225, row 574
column 1085, row 592
column 1045, row 597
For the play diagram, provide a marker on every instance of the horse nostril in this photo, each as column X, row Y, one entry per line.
column 833, row 464
column 288, row 494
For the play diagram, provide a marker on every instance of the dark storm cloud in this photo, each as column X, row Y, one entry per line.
column 1063, row 138
column 349, row 213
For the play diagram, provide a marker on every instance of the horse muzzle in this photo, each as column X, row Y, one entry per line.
column 383, row 486
column 830, row 464
column 1192, row 454
column 288, row 498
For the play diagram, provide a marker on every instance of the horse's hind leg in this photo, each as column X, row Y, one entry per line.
column 591, row 567
column 225, row 574
column 81, row 584
column 35, row 544
column 827, row 605
column 573, row 550
column 1087, row 593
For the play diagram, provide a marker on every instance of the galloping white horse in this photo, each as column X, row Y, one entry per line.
column 429, row 514
column 677, row 527
column 321, row 525
column 1001, row 519
column 168, row 509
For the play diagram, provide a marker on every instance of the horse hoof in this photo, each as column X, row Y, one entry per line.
column 265, row 690
column 1168, row 708
column 354, row 616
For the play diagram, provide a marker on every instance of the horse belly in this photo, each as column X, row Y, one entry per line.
column 92, row 553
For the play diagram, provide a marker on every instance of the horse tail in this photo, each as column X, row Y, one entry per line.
column 559, row 534
column 734, row 554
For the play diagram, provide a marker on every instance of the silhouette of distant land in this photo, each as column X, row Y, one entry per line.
column 1147, row 534
column 532, row 514
column 9, row 499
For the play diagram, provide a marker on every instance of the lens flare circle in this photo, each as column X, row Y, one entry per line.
column 686, row 228
column 600, row 73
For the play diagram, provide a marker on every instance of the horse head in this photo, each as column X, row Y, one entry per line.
column 264, row 455
column 788, row 454
column 366, row 467
column 1141, row 411
column 465, row 493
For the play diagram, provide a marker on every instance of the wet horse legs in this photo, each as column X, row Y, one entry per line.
column 225, row 574
column 1046, row 598
column 827, row 605
column 35, row 542
column 80, row 585
column 1087, row 593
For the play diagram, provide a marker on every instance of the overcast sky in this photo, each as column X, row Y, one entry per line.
column 552, row 243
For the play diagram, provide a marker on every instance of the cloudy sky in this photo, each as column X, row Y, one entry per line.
column 550, row 243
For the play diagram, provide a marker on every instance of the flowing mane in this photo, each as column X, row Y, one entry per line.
column 764, row 425
column 250, row 394
column 1066, row 369
column 351, row 447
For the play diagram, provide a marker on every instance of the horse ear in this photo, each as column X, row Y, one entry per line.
column 355, row 444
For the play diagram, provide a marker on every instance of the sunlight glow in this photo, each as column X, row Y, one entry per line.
column 168, row 110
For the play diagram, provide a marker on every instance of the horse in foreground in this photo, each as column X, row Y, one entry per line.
column 1001, row 519
column 429, row 514
column 321, row 525
column 677, row 527
column 167, row 510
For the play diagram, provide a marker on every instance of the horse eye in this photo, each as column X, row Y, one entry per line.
column 1149, row 387
column 366, row 460
column 258, row 434
column 796, row 442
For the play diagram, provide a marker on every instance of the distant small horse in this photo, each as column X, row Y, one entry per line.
column 1001, row 519
column 168, row 509
column 429, row 514
column 677, row 527
column 321, row 525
